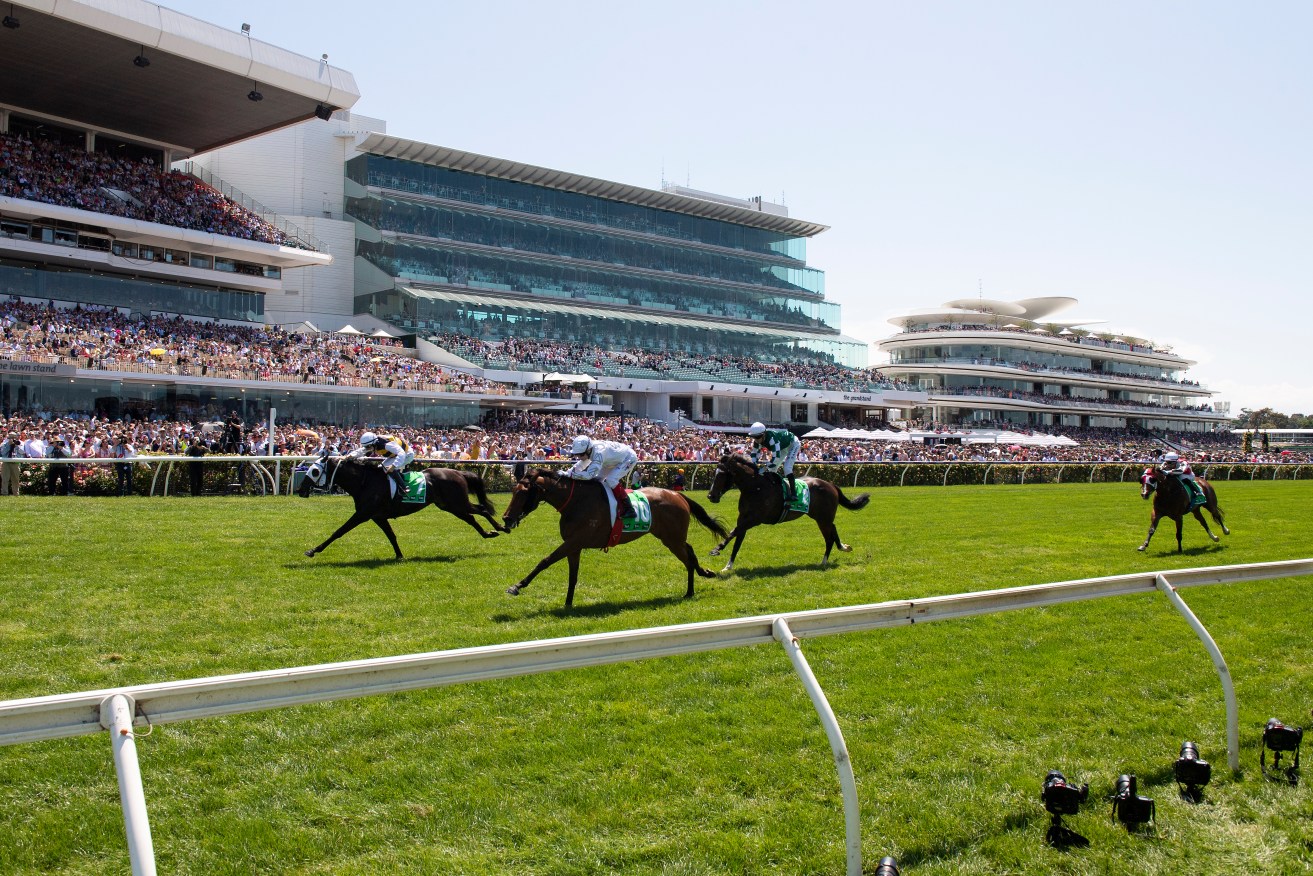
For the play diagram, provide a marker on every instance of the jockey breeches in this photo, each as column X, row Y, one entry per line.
column 613, row 475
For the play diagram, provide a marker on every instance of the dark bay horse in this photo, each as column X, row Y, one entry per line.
column 1171, row 500
column 586, row 522
column 761, row 500
column 368, row 485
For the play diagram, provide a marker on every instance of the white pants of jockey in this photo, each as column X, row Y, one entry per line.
column 398, row 463
column 784, row 465
column 612, row 476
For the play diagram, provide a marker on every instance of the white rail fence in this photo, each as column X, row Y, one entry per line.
column 118, row 710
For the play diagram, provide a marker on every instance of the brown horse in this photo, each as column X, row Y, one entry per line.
column 586, row 522
column 761, row 500
column 369, row 486
column 1170, row 499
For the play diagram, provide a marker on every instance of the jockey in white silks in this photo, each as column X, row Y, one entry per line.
column 396, row 453
column 606, row 461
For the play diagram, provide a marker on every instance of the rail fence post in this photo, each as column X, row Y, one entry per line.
column 851, row 814
column 1228, row 687
column 116, row 714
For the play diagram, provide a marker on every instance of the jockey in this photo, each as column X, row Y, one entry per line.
column 605, row 461
column 783, row 446
column 396, row 453
column 1174, row 465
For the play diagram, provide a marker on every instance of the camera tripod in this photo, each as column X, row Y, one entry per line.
column 1061, row 837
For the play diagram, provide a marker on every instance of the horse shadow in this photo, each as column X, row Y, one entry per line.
column 595, row 610
column 368, row 564
column 773, row 571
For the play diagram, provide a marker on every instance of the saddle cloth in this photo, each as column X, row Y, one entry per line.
column 416, row 487
column 640, row 522
column 1195, row 492
column 801, row 498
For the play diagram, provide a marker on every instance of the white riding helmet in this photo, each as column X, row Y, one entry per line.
column 1171, row 457
column 368, row 438
column 757, row 429
column 581, row 445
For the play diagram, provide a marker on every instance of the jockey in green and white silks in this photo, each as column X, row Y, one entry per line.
column 606, row 461
column 395, row 451
column 783, row 446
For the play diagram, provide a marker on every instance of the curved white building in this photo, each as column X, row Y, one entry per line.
column 1014, row 363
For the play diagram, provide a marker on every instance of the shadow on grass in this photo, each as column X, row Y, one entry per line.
column 592, row 610
column 311, row 562
column 750, row 574
column 944, row 848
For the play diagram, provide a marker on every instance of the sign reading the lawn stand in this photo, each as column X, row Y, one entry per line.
column 59, row 370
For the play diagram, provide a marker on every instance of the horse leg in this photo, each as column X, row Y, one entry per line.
column 469, row 518
column 738, row 543
column 1178, row 534
column 555, row 556
column 1217, row 515
column 352, row 522
column 574, row 578
column 715, row 551
column 392, row 536
column 1198, row 515
column 1153, row 526
column 832, row 540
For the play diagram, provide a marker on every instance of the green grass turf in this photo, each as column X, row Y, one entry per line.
column 713, row 763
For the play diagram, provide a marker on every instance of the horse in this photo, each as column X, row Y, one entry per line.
column 1170, row 499
column 368, row 485
column 586, row 522
column 761, row 500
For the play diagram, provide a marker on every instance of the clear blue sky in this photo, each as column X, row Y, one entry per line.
column 1150, row 159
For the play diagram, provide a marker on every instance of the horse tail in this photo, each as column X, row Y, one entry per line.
column 475, row 485
column 852, row 504
column 701, row 516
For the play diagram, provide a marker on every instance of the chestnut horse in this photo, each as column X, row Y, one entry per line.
column 586, row 522
column 368, row 485
column 761, row 500
column 1171, row 500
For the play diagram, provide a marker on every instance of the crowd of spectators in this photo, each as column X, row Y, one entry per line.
column 507, row 437
column 1079, row 337
column 52, row 172
column 104, row 339
column 1063, row 400
column 595, row 360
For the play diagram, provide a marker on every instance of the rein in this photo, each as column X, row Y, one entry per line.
column 568, row 498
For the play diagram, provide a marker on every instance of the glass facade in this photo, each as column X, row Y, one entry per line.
column 455, row 185
column 579, row 268
column 999, row 354
column 137, row 294
column 492, row 320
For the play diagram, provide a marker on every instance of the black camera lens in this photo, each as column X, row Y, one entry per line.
column 1279, row 737
column 888, row 866
column 1191, row 770
column 1128, row 807
column 1060, row 796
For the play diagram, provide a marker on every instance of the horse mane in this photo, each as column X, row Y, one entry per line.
column 738, row 458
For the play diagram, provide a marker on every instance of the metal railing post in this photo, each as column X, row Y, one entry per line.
column 851, row 814
column 116, row 716
column 1228, row 688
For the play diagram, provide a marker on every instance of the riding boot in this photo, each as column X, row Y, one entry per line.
column 400, row 481
column 793, row 487
column 624, row 507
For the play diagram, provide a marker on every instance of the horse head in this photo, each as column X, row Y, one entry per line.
column 316, row 476
column 1149, row 481
column 526, row 495
column 734, row 469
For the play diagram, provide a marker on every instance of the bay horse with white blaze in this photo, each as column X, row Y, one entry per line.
column 761, row 500
column 586, row 522
column 370, row 487
column 1171, row 500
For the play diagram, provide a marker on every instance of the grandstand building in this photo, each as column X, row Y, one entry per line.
column 1020, row 363
column 162, row 166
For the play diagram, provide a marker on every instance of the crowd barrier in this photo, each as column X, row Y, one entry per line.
column 120, row 710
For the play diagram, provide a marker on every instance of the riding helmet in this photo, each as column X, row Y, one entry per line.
column 757, row 429
column 581, row 445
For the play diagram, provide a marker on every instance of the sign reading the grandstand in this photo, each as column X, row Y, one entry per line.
column 849, row 397
column 53, row 368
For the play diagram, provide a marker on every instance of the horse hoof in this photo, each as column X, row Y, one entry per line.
column 491, row 534
column 715, row 552
column 1216, row 539
column 846, row 548
column 1142, row 547
column 727, row 569
column 513, row 591
column 309, row 553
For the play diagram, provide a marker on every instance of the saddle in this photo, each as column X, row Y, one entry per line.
column 640, row 522
column 799, row 500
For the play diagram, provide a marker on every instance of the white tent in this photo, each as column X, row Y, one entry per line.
column 382, row 333
column 555, row 377
column 349, row 329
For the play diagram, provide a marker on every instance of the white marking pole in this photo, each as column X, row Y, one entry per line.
column 1228, row 688
column 116, row 716
column 851, row 813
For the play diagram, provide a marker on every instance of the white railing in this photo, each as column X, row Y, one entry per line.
column 120, row 709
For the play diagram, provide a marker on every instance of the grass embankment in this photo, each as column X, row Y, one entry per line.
column 713, row 763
